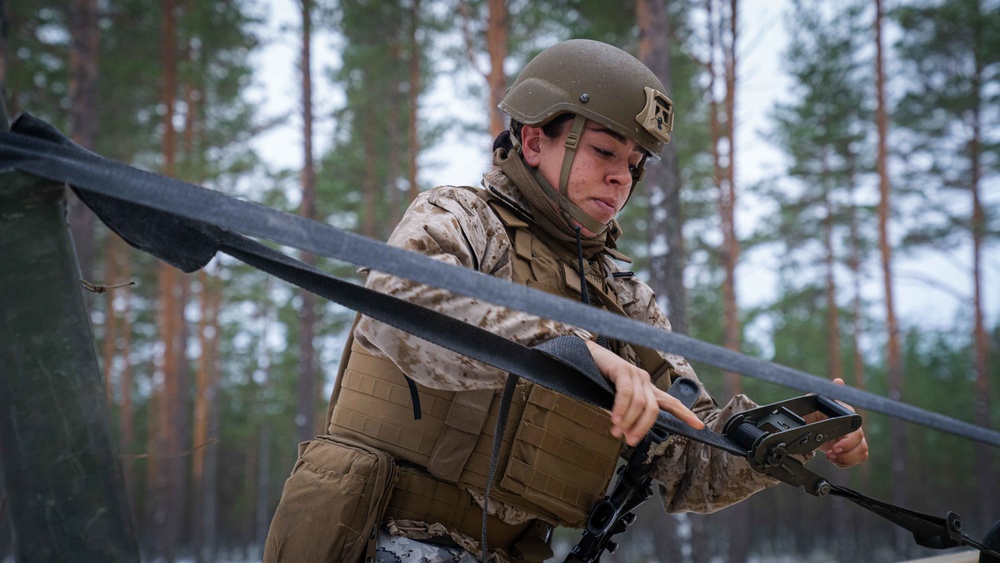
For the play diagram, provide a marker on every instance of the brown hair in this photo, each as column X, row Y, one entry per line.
column 551, row 129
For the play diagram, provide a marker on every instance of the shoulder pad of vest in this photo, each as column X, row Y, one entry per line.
column 508, row 211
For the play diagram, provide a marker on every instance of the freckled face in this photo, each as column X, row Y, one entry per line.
column 601, row 176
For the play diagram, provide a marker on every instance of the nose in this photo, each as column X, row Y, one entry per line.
column 619, row 174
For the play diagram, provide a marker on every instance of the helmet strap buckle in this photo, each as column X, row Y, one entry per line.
column 572, row 140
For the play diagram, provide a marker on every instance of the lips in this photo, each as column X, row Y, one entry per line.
column 606, row 206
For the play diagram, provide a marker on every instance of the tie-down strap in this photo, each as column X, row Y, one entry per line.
column 180, row 223
column 185, row 225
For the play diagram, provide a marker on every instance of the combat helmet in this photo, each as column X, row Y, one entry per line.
column 595, row 81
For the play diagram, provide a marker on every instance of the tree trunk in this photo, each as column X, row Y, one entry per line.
column 369, row 184
column 739, row 539
column 192, row 100
column 262, row 508
column 897, row 436
column 857, row 314
column 166, row 484
column 854, row 264
column 662, row 178
column 83, row 62
column 248, row 523
column 305, row 420
column 840, row 515
column 117, row 270
column 262, row 512
column 496, row 44
column 722, row 174
column 207, row 379
column 192, row 173
column 413, row 93
column 727, row 202
column 126, row 414
column 395, row 138
column 836, row 365
column 200, row 424
column 984, row 454
column 209, row 488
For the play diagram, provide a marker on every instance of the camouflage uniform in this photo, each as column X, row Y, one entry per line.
column 400, row 549
column 455, row 225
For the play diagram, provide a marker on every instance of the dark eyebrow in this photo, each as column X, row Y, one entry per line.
column 602, row 129
column 617, row 136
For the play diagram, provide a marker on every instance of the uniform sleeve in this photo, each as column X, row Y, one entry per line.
column 455, row 226
column 695, row 477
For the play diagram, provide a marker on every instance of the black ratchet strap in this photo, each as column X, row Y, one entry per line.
column 176, row 215
column 189, row 244
column 186, row 225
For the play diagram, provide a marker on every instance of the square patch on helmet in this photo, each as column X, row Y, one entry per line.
column 658, row 115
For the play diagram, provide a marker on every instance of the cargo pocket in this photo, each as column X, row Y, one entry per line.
column 332, row 503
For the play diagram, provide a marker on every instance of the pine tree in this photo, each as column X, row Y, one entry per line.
column 376, row 81
column 822, row 132
column 663, row 180
column 894, row 367
column 953, row 52
column 83, row 70
column 305, row 419
column 165, row 477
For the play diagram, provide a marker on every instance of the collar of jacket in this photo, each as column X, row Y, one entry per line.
column 513, row 181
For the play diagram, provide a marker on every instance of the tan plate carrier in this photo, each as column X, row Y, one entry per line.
column 557, row 455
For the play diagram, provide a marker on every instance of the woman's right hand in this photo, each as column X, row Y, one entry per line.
column 637, row 401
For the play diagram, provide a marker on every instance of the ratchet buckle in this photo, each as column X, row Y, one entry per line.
column 773, row 433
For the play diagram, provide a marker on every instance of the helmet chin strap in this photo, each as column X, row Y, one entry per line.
column 570, row 212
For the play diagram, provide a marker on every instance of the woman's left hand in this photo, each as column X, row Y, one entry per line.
column 848, row 450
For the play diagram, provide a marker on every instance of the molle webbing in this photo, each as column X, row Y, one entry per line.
column 374, row 406
column 561, row 459
column 555, row 461
column 423, row 498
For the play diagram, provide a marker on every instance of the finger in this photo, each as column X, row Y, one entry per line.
column 857, row 455
column 849, row 442
column 615, row 371
column 623, row 397
column 842, row 445
column 646, row 418
column 673, row 406
column 638, row 400
column 839, row 381
column 850, row 456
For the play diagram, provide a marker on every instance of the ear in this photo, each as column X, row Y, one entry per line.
column 531, row 145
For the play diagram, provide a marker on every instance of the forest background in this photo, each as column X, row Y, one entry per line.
column 889, row 177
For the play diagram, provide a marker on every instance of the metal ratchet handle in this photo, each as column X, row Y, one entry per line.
column 772, row 433
column 831, row 408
